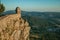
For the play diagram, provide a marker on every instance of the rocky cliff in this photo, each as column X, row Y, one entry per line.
column 13, row 27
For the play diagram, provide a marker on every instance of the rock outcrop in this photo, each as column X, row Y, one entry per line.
column 13, row 27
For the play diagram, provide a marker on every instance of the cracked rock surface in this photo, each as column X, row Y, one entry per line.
column 12, row 27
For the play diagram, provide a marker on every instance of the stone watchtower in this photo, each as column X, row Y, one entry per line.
column 18, row 11
column 13, row 27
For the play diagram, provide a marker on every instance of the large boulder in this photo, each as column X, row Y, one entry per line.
column 13, row 27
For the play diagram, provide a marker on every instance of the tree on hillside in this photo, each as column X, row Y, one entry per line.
column 2, row 7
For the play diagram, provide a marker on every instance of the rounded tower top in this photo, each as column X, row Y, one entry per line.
column 18, row 11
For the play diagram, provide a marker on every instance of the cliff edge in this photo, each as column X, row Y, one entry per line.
column 13, row 27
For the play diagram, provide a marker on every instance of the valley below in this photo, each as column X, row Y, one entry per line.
column 44, row 25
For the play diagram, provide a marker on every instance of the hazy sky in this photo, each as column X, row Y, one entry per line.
column 33, row 5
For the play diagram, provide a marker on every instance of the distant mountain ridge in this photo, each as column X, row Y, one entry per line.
column 26, row 15
column 39, row 14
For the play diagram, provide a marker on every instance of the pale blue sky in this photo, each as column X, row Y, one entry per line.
column 33, row 5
